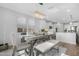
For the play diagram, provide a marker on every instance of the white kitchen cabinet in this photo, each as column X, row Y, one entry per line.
column 66, row 37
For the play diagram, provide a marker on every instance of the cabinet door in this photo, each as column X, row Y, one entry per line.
column 66, row 37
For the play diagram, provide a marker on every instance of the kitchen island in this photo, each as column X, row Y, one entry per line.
column 33, row 40
column 67, row 37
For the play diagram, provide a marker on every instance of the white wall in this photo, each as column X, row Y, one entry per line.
column 1, row 27
column 7, row 25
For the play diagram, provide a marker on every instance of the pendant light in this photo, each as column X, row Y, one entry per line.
column 39, row 15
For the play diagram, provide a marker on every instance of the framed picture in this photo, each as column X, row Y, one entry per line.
column 19, row 30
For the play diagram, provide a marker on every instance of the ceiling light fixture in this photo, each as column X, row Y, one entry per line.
column 41, row 3
column 39, row 15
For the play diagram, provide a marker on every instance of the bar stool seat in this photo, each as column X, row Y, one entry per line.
column 45, row 47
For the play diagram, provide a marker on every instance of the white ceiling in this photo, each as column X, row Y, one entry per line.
column 56, row 12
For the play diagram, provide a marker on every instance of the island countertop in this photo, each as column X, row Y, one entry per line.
column 34, row 37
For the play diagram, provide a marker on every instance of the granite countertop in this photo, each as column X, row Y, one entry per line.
column 32, row 37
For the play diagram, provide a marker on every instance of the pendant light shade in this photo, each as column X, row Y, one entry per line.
column 39, row 15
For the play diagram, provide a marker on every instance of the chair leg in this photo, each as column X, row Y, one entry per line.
column 27, row 51
column 37, row 53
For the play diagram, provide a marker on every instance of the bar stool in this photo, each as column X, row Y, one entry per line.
column 19, row 46
column 45, row 47
column 22, row 49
